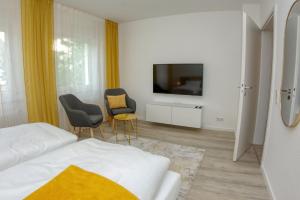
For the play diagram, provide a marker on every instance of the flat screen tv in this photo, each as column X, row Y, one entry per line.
column 183, row 79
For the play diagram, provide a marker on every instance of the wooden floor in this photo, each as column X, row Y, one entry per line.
column 218, row 178
column 258, row 150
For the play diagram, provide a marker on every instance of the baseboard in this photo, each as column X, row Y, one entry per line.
column 268, row 183
column 211, row 128
column 218, row 129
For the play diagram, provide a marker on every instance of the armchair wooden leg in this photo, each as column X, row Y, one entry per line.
column 113, row 125
column 79, row 131
column 101, row 132
column 92, row 132
column 116, row 130
column 75, row 132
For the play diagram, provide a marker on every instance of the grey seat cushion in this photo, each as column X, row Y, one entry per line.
column 117, row 111
column 96, row 118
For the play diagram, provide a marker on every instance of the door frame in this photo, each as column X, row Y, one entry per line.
column 274, row 92
column 244, row 34
column 243, row 88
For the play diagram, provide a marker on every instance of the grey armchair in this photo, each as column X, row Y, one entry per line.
column 80, row 114
column 131, row 104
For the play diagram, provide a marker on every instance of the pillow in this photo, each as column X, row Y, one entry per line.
column 118, row 101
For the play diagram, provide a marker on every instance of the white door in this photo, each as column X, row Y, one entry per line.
column 288, row 92
column 251, row 49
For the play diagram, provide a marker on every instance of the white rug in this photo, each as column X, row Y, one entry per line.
column 185, row 160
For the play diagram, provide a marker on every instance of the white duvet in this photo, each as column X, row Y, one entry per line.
column 27, row 141
column 138, row 171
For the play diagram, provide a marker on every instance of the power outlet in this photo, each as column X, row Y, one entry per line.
column 220, row 119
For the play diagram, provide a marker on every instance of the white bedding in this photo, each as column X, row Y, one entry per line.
column 138, row 171
column 170, row 187
column 27, row 141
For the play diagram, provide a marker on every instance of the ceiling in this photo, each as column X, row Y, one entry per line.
column 130, row 10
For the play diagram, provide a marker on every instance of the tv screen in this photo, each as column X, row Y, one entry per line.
column 185, row 79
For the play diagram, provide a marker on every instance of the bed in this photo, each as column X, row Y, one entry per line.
column 27, row 141
column 170, row 187
column 144, row 174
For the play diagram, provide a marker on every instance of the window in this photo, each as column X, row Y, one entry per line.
column 79, row 56
column 13, row 108
column 72, row 63
column 3, row 79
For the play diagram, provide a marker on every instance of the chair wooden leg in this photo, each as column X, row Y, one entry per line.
column 132, row 125
column 92, row 132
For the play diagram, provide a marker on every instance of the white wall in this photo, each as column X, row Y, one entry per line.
column 281, row 159
column 254, row 11
column 212, row 38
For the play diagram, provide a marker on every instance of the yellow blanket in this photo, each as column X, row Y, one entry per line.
column 75, row 183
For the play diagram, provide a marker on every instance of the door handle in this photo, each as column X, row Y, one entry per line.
column 245, row 87
column 288, row 91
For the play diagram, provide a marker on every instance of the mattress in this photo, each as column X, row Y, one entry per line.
column 27, row 141
column 138, row 171
column 170, row 187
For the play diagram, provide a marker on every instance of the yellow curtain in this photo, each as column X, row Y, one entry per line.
column 38, row 59
column 112, row 54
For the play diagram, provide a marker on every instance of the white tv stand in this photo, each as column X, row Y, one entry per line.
column 176, row 114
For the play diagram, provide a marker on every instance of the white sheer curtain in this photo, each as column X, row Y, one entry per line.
column 79, row 47
column 12, row 91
